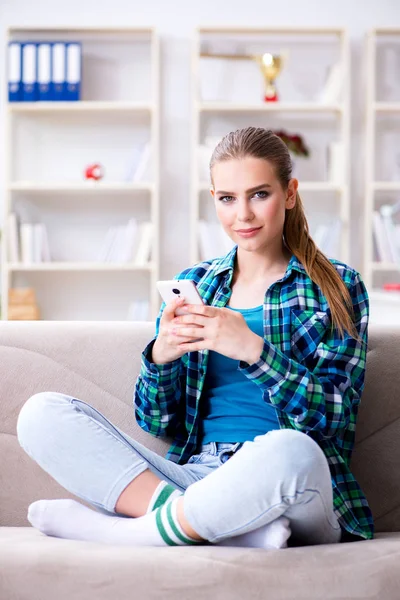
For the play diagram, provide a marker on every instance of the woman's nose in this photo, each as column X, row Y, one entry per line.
column 244, row 212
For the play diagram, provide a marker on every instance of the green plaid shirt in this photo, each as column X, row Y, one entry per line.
column 312, row 377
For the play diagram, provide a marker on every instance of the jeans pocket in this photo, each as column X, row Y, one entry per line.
column 197, row 458
column 225, row 455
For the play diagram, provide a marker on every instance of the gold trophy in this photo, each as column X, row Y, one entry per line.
column 270, row 65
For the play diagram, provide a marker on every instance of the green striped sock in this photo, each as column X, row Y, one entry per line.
column 163, row 492
column 169, row 528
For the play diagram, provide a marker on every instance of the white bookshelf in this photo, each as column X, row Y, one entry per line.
column 382, row 175
column 118, row 110
column 301, row 112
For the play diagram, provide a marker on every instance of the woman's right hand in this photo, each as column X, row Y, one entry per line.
column 166, row 347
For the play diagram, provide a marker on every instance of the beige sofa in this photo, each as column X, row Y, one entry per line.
column 99, row 362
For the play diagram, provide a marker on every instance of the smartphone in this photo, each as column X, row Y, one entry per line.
column 179, row 288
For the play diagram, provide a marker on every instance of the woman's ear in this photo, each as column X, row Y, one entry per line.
column 291, row 193
column 212, row 191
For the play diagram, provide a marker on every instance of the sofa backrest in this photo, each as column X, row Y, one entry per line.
column 99, row 362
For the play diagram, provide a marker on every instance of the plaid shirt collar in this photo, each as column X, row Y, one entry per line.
column 227, row 263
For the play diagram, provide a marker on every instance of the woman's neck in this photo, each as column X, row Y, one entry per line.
column 253, row 267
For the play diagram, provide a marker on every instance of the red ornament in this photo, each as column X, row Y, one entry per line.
column 94, row 171
column 273, row 98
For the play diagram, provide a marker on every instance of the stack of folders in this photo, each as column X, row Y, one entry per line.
column 387, row 235
column 27, row 242
column 44, row 71
column 130, row 243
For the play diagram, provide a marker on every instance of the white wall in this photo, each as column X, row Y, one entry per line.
column 175, row 21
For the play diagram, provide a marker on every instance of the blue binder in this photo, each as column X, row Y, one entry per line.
column 44, row 71
column 14, row 72
column 58, row 71
column 29, row 72
column 74, row 70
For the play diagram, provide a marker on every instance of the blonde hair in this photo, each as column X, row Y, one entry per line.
column 264, row 144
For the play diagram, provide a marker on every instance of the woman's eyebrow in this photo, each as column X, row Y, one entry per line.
column 254, row 189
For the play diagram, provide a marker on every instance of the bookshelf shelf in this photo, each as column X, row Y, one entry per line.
column 384, row 266
column 225, row 98
column 387, row 186
column 377, row 191
column 79, row 266
column 89, row 188
column 307, row 107
column 115, row 123
column 78, row 107
column 389, row 107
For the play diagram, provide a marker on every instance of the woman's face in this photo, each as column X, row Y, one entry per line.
column 248, row 195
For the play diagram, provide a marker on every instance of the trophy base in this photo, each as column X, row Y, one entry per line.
column 273, row 98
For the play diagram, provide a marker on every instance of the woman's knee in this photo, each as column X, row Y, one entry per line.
column 35, row 417
column 290, row 451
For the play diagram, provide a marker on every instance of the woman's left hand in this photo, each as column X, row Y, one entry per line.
column 222, row 330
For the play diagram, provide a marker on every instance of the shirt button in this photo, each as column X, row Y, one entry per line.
column 225, row 290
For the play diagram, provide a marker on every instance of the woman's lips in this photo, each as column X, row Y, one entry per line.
column 248, row 232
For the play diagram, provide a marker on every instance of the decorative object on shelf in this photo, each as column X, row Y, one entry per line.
column 22, row 305
column 391, row 287
column 94, row 172
column 270, row 65
column 295, row 143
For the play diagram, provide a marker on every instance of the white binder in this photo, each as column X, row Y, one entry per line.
column 44, row 71
column 14, row 72
column 58, row 69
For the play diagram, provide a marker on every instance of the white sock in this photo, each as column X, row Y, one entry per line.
column 270, row 536
column 69, row 519
column 163, row 492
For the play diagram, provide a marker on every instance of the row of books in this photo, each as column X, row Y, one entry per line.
column 386, row 235
column 44, row 71
column 130, row 243
column 27, row 242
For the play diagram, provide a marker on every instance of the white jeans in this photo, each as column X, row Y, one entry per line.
column 283, row 472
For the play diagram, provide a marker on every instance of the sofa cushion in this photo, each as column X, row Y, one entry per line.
column 34, row 566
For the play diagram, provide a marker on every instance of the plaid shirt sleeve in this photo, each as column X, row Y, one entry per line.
column 322, row 399
column 157, row 392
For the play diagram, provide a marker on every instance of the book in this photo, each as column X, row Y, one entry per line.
column 14, row 252
column 46, row 255
column 138, row 163
column 27, row 250
column 332, row 89
column 383, row 253
column 145, row 239
column 142, row 169
column 390, row 230
column 336, row 163
column 106, row 246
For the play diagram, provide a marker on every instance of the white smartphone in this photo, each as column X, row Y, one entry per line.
column 179, row 288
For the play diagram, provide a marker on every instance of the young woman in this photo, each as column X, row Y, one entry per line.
column 262, row 410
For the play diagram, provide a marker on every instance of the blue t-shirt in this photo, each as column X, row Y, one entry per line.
column 233, row 409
